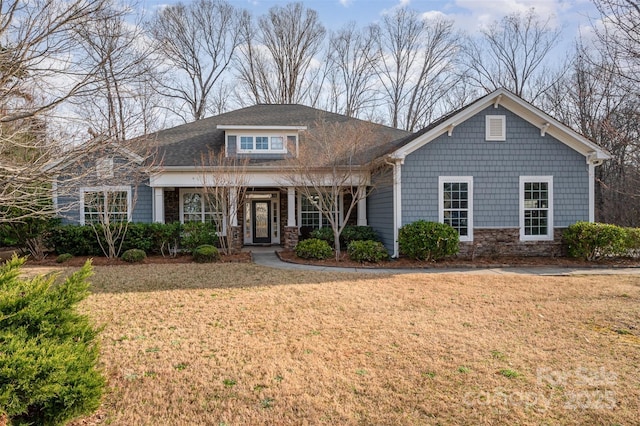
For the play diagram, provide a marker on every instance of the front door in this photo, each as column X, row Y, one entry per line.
column 261, row 221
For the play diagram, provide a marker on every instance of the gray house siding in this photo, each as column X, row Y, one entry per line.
column 68, row 189
column 143, row 207
column 380, row 207
column 496, row 168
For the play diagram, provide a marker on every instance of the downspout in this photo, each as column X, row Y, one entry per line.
column 592, row 163
column 397, row 202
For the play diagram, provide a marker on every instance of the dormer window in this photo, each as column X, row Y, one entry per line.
column 262, row 144
column 245, row 139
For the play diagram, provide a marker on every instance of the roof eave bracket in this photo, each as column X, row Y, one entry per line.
column 497, row 101
column 543, row 129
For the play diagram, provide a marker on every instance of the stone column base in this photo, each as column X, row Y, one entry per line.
column 290, row 237
column 235, row 243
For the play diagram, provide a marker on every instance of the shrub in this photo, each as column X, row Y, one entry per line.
column 424, row 240
column 138, row 237
column 367, row 251
column 358, row 233
column 349, row 233
column 325, row 234
column 64, row 257
column 134, row 255
column 594, row 240
column 313, row 248
column 164, row 236
column 74, row 239
column 49, row 352
column 28, row 234
column 205, row 253
column 195, row 234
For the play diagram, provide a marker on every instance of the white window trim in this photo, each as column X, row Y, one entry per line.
column 321, row 215
column 239, row 136
column 182, row 191
column 457, row 179
column 105, row 189
column 536, row 179
column 503, row 135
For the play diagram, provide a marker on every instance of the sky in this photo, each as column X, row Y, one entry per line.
column 468, row 15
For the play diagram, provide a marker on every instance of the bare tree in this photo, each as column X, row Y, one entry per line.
column 38, row 72
column 332, row 165
column 120, row 102
column 512, row 53
column 197, row 43
column 619, row 34
column 417, row 66
column 224, row 183
column 116, row 170
column 276, row 58
column 353, row 58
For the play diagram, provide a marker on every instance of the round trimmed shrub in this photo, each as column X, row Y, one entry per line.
column 313, row 248
column 133, row 255
column 64, row 257
column 206, row 253
column 367, row 251
column 423, row 240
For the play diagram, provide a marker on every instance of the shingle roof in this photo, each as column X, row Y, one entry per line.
column 184, row 145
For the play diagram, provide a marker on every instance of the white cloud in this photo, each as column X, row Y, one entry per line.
column 473, row 15
column 346, row 3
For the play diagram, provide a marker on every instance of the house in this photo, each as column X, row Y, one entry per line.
column 507, row 176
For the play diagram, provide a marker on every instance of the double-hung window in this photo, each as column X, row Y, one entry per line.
column 197, row 206
column 108, row 204
column 311, row 211
column 455, row 204
column 536, row 208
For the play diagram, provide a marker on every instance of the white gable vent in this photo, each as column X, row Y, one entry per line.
column 496, row 129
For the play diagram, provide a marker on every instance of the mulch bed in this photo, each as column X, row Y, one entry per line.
column 478, row 262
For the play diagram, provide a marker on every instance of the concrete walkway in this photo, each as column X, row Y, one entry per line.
column 266, row 256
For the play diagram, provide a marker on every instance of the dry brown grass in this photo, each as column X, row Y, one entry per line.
column 240, row 344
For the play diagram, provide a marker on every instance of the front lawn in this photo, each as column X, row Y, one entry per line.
column 239, row 344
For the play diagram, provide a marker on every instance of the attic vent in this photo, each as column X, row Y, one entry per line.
column 104, row 168
column 496, row 129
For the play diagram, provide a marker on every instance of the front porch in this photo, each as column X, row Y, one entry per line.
column 265, row 216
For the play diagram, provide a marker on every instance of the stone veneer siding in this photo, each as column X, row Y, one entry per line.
column 290, row 237
column 506, row 242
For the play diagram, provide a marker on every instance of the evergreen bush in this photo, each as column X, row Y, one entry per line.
column 205, row 253
column 313, row 248
column 591, row 241
column 367, row 251
column 133, row 255
column 195, row 234
column 422, row 240
column 49, row 354
column 64, row 257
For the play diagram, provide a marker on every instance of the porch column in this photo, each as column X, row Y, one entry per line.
column 291, row 230
column 362, row 207
column 233, row 206
column 291, row 206
column 158, row 205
